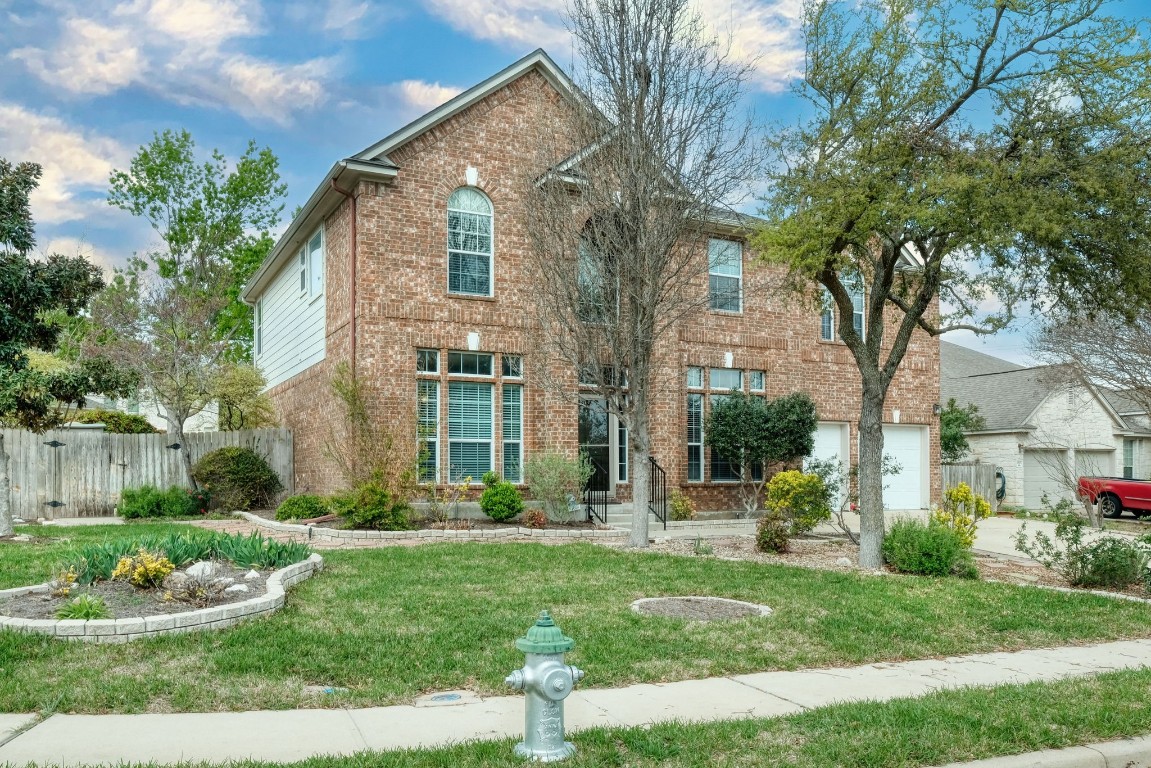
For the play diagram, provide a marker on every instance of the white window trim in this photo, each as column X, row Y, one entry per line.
column 491, row 254
column 302, row 269
column 504, row 383
column 490, row 442
column 739, row 277
column 833, row 308
column 312, row 297
column 490, row 376
column 258, row 328
column 435, row 439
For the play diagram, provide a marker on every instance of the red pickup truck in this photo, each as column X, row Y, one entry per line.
column 1116, row 494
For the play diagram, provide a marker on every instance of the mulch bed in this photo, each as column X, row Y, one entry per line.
column 454, row 524
column 124, row 600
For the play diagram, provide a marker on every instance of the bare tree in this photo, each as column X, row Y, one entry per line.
column 1106, row 350
column 638, row 175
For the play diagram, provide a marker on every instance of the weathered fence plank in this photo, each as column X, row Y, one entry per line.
column 87, row 473
column 980, row 477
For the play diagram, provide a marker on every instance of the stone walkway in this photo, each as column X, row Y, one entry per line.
column 292, row 735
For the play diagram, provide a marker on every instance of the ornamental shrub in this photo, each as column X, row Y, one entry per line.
column 681, row 505
column 490, row 478
column 116, row 422
column 554, row 479
column 1112, row 562
column 772, row 532
column 501, row 501
column 144, row 569
column 927, row 550
column 149, row 501
column 962, row 509
column 372, row 506
column 535, row 518
column 237, row 478
column 302, row 507
column 799, row 498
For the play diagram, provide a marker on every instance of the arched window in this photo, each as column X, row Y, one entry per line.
column 469, row 242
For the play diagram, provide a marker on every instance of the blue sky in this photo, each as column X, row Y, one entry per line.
column 86, row 83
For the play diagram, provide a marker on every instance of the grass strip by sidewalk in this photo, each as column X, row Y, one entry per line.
column 391, row 624
column 944, row 727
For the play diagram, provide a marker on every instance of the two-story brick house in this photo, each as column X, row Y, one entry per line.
column 408, row 263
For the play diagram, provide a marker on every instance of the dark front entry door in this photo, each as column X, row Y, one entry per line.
column 595, row 440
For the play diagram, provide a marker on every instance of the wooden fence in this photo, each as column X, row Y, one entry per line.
column 81, row 472
column 981, row 478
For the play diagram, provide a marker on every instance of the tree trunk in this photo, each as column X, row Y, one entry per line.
column 871, row 523
column 640, row 473
column 176, row 430
column 5, row 498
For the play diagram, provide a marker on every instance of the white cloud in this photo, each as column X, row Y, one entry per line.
column 75, row 246
column 100, row 59
column 76, row 163
column 181, row 50
column 765, row 32
column 425, row 96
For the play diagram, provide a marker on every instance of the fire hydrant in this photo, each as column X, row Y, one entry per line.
column 547, row 681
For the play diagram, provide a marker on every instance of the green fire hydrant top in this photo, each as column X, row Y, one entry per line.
column 545, row 637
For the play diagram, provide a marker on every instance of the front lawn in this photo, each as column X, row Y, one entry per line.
column 392, row 623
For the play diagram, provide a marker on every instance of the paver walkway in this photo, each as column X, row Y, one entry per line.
column 292, row 735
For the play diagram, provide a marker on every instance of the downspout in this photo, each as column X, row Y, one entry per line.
column 352, row 278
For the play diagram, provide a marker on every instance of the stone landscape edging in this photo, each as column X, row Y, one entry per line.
column 133, row 628
column 338, row 535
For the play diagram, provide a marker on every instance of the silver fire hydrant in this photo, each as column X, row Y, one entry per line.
column 547, row 681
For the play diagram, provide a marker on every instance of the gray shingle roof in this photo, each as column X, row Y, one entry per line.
column 957, row 361
column 1005, row 398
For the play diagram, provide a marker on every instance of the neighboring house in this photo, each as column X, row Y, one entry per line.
column 144, row 405
column 1041, row 427
column 423, row 234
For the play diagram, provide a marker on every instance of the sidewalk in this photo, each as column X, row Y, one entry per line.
column 293, row 735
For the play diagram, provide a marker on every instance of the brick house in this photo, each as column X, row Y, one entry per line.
column 420, row 233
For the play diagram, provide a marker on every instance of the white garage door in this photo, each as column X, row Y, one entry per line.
column 831, row 443
column 1043, row 473
column 908, row 446
column 1095, row 463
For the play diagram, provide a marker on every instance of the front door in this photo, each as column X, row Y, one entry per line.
column 599, row 438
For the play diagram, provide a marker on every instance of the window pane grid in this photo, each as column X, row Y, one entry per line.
column 428, row 398
column 469, row 243
column 512, row 431
column 470, row 364
column 695, row 438
column 725, row 268
column 727, row 378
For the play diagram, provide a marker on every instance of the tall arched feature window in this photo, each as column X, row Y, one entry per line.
column 469, row 242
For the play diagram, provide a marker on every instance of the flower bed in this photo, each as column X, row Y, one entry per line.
column 319, row 533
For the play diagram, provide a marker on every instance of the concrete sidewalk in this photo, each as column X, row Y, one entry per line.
column 286, row 736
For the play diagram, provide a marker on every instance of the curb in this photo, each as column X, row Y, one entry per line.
column 1122, row 753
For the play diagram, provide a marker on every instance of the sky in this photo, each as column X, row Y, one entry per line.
column 84, row 84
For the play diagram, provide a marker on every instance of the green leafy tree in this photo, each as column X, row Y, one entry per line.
column 954, row 424
column 239, row 394
column 30, row 292
column 749, row 431
column 170, row 312
column 960, row 154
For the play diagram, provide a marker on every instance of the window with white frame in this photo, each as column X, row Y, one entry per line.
column 315, row 249
column 258, row 327
column 720, row 383
column 1128, row 458
column 470, row 253
column 470, row 417
column 513, row 428
column 302, row 259
column 694, row 437
column 827, row 324
column 725, row 275
column 428, row 399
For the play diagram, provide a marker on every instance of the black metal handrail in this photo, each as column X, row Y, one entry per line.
column 595, row 494
column 657, row 499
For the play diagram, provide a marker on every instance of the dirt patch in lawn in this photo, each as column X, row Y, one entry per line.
column 125, row 601
column 698, row 608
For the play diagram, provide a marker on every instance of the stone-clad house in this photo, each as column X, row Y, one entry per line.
column 422, row 234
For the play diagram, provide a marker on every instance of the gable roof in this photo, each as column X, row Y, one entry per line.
column 373, row 163
column 957, row 361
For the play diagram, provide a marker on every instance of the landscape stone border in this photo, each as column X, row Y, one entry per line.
column 127, row 629
column 316, row 533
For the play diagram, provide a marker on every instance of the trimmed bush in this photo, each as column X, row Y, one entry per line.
column 927, row 550
column 772, row 532
column 148, row 501
column 373, row 506
column 1111, row 562
column 302, row 507
column 501, row 501
column 117, row 422
column 800, row 498
column 238, row 478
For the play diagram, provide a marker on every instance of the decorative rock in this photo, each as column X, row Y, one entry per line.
column 201, row 570
column 175, row 580
column 252, row 575
column 237, row 588
column 224, row 581
column 843, row 562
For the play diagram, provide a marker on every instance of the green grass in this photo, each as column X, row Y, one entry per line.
column 945, row 727
column 392, row 623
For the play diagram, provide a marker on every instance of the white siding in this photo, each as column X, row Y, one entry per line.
column 292, row 326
